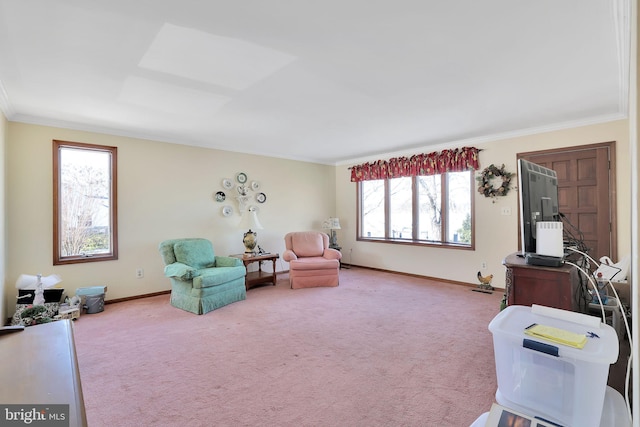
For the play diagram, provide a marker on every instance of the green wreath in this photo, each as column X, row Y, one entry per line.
column 492, row 171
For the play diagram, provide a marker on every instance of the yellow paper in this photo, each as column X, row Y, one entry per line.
column 557, row 335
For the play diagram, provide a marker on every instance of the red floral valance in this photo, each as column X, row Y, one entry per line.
column 455, row 160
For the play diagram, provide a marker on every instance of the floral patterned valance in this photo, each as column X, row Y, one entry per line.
column 455, row 160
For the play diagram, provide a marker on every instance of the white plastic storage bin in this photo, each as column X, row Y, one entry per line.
column 614, row 412
column 568, row 387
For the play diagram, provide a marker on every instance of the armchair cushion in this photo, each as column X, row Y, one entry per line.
column 195, row 253
column 181, row 271
column 289, row 255
column 217, row 276
column 228, row 261
column 330, row 253
column 307, row 244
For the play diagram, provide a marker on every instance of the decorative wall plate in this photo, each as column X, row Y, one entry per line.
column 255, row 185
column 220, row 196
column 227, row 210
column 261, row 197
column 242, row 189
column 241, row 178
column 227, row 184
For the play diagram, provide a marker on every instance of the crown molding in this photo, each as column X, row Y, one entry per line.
column 490, row 138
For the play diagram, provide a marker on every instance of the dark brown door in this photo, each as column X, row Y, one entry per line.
column 586, row 192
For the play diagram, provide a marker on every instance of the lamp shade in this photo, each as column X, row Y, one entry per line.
column 250, row 220
column 332, row 223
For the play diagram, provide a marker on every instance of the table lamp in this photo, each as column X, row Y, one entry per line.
column 332, row 224
column 250, row 238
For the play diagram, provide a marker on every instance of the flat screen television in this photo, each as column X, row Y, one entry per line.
column 538, row 193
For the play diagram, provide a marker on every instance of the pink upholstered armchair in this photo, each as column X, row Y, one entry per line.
column 311, row 262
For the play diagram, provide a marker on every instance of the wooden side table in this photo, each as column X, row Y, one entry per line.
column 339, row 249
column 254, row 278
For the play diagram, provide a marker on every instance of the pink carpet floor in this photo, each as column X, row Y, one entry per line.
column 381, row 349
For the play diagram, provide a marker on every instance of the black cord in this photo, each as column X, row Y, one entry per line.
column 570, row 240
column 582, row 295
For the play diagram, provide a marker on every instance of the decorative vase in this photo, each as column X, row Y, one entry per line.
column 250, row 241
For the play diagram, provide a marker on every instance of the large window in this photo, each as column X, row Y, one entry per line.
column 430, row 210
column 84, row 203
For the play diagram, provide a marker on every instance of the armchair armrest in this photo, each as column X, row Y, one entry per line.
column 332, row 254
column 227, row 261
column 180, row 271
column 289, row 255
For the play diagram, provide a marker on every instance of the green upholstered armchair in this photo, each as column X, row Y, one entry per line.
column 200, row 280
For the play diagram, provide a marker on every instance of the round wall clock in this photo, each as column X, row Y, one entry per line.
column 261, row 197
column 227, row 210
column 220, row 196
column 241, row 178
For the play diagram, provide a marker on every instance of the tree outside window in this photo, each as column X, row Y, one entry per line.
column 85, row 214
column 372, row 204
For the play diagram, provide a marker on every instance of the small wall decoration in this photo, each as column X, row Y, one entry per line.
column 485, row 185
column 243, row 194
column 241, row 178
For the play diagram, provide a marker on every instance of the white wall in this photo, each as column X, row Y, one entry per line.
column 496, row 235
column 164, row 191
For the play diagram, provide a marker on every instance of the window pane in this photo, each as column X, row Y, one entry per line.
column 84, row 228
column 401, row 208
column 430, row 207
column 459, row 207
column 372, row 208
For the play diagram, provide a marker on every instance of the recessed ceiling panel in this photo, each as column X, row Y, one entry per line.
column 171, row 99
column 205, row 57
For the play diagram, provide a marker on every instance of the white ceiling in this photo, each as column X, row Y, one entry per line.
column 323, row 81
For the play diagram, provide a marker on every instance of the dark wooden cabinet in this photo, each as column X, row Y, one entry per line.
column 557, row 287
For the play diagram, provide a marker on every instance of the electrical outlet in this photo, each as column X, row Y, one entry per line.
column 484, row 265
column 139, row 273
column 506, row 210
